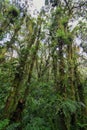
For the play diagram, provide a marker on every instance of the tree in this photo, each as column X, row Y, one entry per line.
column 40, row 68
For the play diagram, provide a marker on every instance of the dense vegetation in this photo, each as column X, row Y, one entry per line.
column 43, row 74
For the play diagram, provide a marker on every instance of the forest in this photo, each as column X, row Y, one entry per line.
column 43, row 66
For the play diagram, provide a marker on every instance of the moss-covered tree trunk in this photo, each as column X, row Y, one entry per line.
column 16, row 100
column 71, row 79
column 71, row 87
column 62, row 87
column 54, row 64
column 80, row 97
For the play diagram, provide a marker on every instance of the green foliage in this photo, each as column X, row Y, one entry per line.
column 36, row 123
column 4, row 123
column 59, row 11
column 82, row 125
column 13, row 11
column 37, row 81
column 41, row 99
column 64, row 21
column 7, row 71
column 64, row 37
column 69, row 106
column 61, row 34
column 13, row 126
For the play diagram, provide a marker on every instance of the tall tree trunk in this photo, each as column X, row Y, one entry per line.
column 62, row 87
column 71, row 87
column 71, row 78
column 16, row 101
column 54, row 64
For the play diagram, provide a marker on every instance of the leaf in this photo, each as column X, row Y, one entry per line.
column 4, row 123
column 13, row 126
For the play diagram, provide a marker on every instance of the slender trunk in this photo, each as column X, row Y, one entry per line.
column 71, row 87
column 16, row 101
column 54, row 63
column 71, row 90
column 62, row 86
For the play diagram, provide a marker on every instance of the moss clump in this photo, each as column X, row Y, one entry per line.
column 64, row 21
column 64, row 37
column 12, row 13
column 59, row 10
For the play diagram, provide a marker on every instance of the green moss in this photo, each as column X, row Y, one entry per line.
column 63, row 36
column 59, row 10
column 13, row 11
column 60, row 33
column 12, row 14
column 64, row 21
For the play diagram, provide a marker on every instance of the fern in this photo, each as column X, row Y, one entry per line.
column 4, row 123
column 13, row 126
column 69, row 106
column 36, row 123
column 82, row 125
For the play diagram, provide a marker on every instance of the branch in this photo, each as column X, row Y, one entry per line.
column 67, row 4
column 80, row 5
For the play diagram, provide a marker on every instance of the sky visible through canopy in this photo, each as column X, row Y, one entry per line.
column 38, row 4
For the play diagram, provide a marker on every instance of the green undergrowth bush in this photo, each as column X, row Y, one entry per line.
column 4, row 123
column 43, row 107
